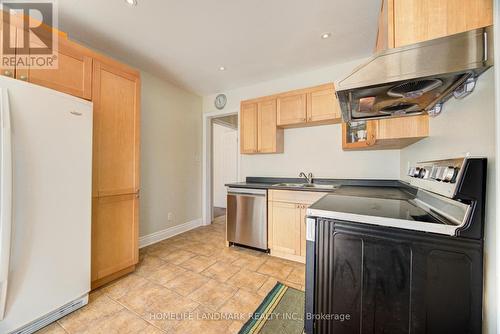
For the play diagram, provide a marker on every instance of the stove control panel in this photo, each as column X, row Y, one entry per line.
column 438, row 176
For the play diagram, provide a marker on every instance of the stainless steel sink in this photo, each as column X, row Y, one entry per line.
column 308, row 185
column 322, row 186
column 290, row 185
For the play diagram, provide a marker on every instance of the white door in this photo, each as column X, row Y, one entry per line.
column 51, row 202
column 225, row 162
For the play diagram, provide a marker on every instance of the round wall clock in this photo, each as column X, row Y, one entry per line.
column 220, row 101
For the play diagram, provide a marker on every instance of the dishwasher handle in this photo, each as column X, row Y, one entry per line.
column 247, row 192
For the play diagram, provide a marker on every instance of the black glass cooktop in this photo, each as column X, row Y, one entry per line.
column 401, row 208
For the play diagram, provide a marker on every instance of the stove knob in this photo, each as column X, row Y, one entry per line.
column 450, row 174
column 441, row 171
column 416, row 172
column 454, row 178
column 434, row 173
column 426, row 174
column 421, row 173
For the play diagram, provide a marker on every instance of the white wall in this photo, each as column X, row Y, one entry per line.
column 468, row 126
column 171, row 128
column 315, row 149
column 225, row 162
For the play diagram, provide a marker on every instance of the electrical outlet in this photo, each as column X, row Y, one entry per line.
column 170, row 216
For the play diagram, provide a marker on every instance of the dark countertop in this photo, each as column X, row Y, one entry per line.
column 391, row 189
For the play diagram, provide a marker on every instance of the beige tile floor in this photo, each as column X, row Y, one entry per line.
column 191, row 283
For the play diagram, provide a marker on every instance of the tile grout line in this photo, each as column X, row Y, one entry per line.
column 135, row 313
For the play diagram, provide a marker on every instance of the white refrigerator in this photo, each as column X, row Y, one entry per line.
column 45, row 205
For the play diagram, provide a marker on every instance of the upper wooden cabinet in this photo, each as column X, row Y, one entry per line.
column 292, row 109
column 270, row 138
column 73, row 74
column 322, row 105
column 310, row 106
column 116, row 96
column 405, row 22
column 248, row 128
column 262, row 120
column 258, row 130
column 385, row 134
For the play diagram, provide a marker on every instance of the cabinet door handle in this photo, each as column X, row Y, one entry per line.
column 23, row 77
column 7, row 73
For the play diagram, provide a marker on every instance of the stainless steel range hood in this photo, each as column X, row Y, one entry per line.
column 416, row 79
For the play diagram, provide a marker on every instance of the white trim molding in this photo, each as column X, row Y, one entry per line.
column 207, row 214
column 167, row 233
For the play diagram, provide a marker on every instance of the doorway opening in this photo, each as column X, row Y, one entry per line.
column 224, row 153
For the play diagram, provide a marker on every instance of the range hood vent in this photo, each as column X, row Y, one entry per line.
column 416, row 79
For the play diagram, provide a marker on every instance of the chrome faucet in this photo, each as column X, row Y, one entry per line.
column 309, row 177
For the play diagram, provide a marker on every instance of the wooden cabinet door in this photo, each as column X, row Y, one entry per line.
column 403, row 127
column 267, row 130
column 116, row 96
column 73, row 74
column 322, row 105
column 286, row 228
column 371, row 137
column 291, row 110
column 248, row 128
column 115, row 231
column 7, row 69
column 420, row 20
column 385, row 37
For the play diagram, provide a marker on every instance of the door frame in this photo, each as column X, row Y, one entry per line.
column 207, row 164
column 496, row 23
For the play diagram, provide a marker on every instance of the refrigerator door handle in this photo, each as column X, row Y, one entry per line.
column 5, row 197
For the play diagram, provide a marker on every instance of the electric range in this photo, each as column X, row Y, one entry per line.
column 405, row 259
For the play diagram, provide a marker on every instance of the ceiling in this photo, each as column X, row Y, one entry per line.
column 186, row 41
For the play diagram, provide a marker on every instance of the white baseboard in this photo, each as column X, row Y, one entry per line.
column 168, row 233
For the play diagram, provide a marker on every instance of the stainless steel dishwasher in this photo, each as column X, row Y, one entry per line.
column 247, row 217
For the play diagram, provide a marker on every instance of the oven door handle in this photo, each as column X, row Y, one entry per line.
column 247, row 192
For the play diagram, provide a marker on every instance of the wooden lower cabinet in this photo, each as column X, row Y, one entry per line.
column 286, row 223
column 285, row 219
column 115, row 229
